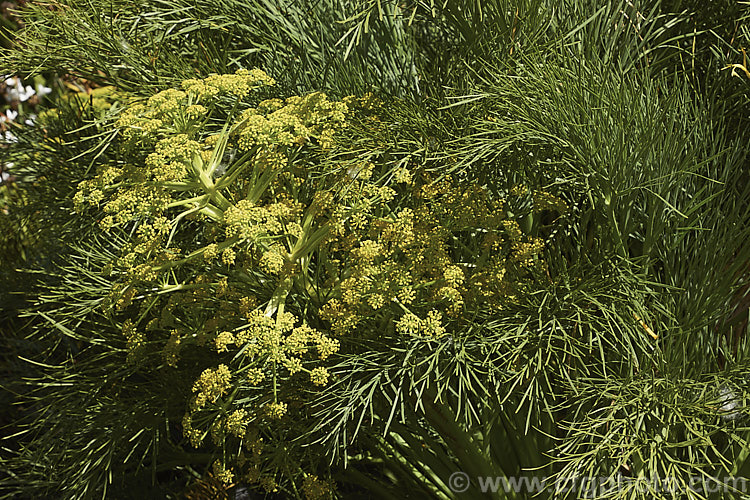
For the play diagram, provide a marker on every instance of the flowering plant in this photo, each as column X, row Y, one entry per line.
column 525, row 255
column 256, row 238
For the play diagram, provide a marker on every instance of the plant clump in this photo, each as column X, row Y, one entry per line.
column 258, row 246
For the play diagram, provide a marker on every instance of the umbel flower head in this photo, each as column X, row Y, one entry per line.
column 201, row 222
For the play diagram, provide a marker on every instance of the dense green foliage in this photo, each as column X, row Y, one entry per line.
column 325, row 249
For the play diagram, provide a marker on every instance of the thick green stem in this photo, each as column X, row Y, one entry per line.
column 194, row 199
column 279, row 297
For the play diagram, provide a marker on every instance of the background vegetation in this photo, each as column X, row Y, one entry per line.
column 626, row 354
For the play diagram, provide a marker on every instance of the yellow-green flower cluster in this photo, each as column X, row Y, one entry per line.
column 547, row 201
column 430, row 326
column 237, row 423
column 279, row 341
column 408, row 253
column 231, row 221
column 239, row 85
column 273, row 260
column 92, row 191
column 247, row 221
column 211, row 385
column 316, row 489
column 276, row 410
column 526, row 251
column 222, row 473
column 274, row 124
column 275, row 349
column 171, row 158
column 255, row 376
column 223, row 341
column 135, row 340
column 139, row 201
column 172, row 349
column 255, row 229
column 319, row 375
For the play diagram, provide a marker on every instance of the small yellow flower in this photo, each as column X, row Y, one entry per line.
column 402, row 176
column 237, row 423
column 276, row 410
column 211, row 252
column 228, row 256
column 223, row 340
column 255, row 376
column 222, row 473
column 319, row 376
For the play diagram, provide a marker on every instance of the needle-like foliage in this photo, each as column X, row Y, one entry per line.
column 510, row 241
